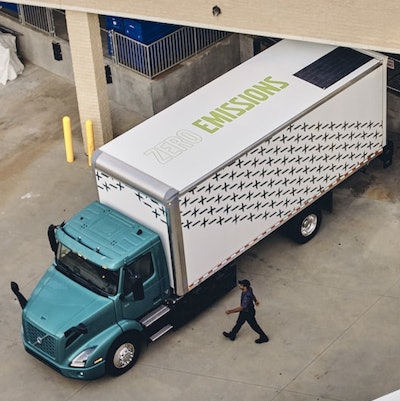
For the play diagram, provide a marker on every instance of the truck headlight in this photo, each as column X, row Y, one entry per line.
column 80, row 360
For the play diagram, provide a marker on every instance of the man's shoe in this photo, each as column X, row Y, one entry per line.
column 229, row 335
column 262, row 340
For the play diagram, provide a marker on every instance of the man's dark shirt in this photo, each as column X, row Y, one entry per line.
column 246, row 301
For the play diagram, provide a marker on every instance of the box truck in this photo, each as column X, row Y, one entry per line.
column 189, row 190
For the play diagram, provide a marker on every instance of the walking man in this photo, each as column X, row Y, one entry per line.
column 247, row 313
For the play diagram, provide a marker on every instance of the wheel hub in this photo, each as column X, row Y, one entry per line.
column 309, row 225
column 124, row 355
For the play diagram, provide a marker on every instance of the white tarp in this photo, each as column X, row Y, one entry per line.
column 10, row 65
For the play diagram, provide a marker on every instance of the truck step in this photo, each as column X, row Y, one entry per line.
column 154, row 315
column 161, row 332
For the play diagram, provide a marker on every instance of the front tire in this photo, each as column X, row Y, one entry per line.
column 305, row 225
column 123, row 354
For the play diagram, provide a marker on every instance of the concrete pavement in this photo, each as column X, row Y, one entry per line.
column 331, row 307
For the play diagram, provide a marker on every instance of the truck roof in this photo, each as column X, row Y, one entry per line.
column 193, row 138
column 105, row 236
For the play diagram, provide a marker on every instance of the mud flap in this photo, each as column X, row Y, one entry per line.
column 387, row 154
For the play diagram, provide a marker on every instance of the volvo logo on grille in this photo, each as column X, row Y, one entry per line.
column 39, row 340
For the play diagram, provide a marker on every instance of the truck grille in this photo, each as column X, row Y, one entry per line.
column 43, row 342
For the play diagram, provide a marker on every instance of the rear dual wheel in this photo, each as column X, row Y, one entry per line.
column 303, row 227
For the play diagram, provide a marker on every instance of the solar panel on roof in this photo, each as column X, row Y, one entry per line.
column 332, row 67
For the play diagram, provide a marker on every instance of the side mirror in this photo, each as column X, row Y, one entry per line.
column 133, row 285
column 51, row 233
column 137, row 288
column 21, row 299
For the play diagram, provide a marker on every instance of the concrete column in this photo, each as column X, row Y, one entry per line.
column 90, row 81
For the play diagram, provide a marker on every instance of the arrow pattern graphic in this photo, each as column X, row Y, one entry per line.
column 276, row 178
column 282, row 174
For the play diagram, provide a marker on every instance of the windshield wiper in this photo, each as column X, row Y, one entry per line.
column 64, row 269
column 79, row 279
column 94, row 288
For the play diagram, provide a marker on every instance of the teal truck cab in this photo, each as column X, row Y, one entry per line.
column 107, row 271
column 87, row 315
column 186, row 192
column 106, row 294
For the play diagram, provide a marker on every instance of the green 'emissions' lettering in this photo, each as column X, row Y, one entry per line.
column 240, row 104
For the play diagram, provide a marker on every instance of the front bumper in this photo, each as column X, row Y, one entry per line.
column 89, row 373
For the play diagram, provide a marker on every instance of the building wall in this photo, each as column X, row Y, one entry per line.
column 36, row 47
column 393, row 113
column 368, row 24
column 144, row 96
column 148, row 97
column 133, row 91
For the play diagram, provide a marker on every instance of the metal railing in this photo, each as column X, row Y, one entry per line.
column 39, row 17
column 153, row 59
column 47, row 20
column 149, row 60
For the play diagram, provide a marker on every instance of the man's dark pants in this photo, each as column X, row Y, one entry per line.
column 250, row 318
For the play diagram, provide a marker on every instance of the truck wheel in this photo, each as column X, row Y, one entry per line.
column 305, row 225
column 123, row 354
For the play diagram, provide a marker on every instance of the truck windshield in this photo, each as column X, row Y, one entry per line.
column 86, row 273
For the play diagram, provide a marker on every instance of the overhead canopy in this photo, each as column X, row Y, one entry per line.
column 367, row 24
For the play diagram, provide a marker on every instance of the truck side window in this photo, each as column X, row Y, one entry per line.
column 142, row 267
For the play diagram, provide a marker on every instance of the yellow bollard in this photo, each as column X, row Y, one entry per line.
column 69, row 148
column 89, row 140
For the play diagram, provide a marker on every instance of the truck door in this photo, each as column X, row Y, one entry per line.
column 144, row 268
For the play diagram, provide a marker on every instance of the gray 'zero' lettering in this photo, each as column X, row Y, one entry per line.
column 173, row 146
